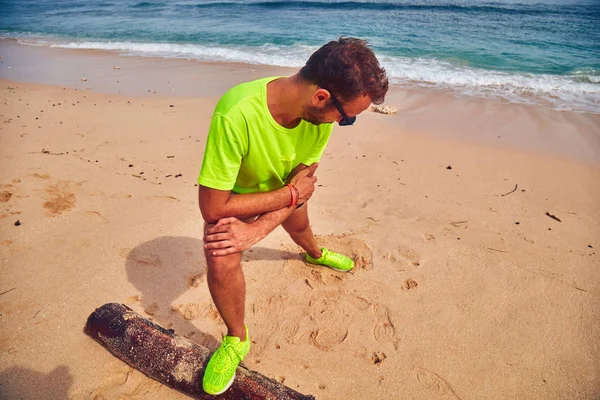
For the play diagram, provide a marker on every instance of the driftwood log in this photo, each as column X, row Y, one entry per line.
column 173, row 360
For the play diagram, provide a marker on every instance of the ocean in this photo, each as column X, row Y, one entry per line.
column 537, row 52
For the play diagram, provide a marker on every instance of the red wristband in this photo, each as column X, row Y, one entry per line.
column 294, row 193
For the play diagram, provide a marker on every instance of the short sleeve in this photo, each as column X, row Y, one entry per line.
column 225, row 148
column 317, row 151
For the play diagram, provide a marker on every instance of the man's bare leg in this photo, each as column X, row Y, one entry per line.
column 228, row 290
column 298, row 226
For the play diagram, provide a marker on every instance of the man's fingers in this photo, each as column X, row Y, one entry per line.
column 217, row 245
column 311, row 169
column 226, row 221
column 224, row 252
column 215, row 237
column 217, row 229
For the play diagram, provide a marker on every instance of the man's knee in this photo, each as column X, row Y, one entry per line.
column 222, row 266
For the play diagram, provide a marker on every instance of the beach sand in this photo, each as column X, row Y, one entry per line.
column 475, row 225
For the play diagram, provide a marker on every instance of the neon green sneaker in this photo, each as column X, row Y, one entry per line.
column 220, row 371
column 336, row 261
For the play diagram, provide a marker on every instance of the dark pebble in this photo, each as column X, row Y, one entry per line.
column 178, row 175
column 18, row 223
column 449, row 167
column 130, row 165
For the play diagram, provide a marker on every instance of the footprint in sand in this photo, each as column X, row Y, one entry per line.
column 404, row 258
column 327, row 338
column 360, row 302
column 383, row 330
column 378, row 357
column 191, row 311
column 5, row 196
column 314, row 276
column 325, row 310
column 269, row 305
column 409, row 284
column 60, row 197
column 433, row 383
column 290, row 329
column 324, row 307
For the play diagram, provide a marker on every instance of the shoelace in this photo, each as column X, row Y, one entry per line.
column 335, row 256
column 230, row 351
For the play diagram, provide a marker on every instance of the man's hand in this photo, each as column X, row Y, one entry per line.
column 304, row 181
column 230, row 235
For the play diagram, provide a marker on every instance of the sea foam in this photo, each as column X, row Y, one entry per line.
column 578, row 91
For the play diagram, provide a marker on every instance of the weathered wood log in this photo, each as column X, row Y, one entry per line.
column 173, row 360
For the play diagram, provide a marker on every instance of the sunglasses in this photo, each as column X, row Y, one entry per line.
column 346, row 120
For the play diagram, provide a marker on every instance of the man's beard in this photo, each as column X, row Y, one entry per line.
column 314, row 115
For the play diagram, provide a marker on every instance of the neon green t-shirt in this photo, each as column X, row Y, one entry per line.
column 247, row 151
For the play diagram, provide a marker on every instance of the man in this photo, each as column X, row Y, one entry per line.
column 263, row 146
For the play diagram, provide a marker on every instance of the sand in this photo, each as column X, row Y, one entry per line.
column 465, row 287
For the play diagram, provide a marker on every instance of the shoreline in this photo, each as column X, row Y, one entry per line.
column 187, row 66
column 522, row 127
column 571, row 89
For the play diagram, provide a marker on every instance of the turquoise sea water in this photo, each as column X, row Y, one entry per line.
column 544, row 52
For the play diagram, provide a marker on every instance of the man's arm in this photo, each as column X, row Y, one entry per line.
column 218, row 204
column 230, row 235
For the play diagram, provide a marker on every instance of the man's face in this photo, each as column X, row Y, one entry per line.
column 317, row 114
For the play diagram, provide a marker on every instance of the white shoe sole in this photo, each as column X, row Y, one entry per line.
column 225, row 389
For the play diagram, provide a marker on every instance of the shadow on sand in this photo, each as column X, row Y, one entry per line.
column 161, row 270
column 25, row 383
